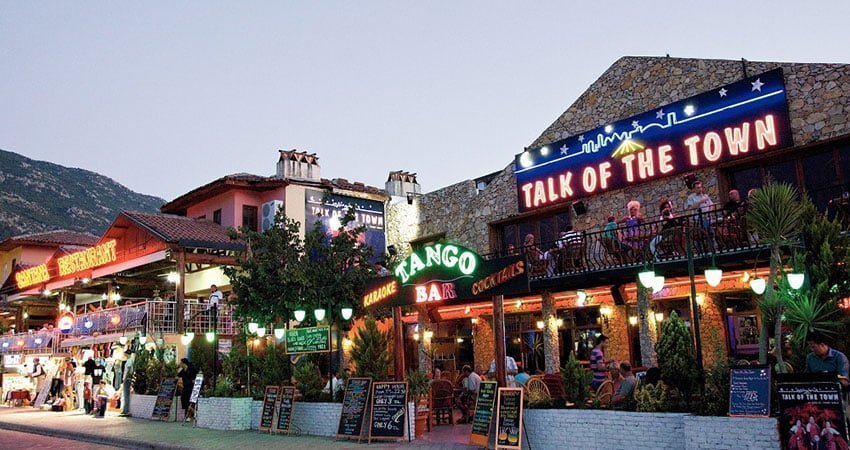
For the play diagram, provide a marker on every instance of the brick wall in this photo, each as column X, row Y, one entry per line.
column 141, row 406
column 594, row 429
column 224, row 413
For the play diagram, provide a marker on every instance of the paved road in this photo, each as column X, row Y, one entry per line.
column 13, row 440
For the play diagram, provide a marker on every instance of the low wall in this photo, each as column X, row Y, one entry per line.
column 317, row 419
column 597, row 429
column 141, row 406
column 224, row 413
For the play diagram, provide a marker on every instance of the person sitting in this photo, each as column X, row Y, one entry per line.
column 536, row 258
column 632, row 222
column 669, row 221
column 627, row 387
column 735, row 208
column 471, row 384
column 824, row 359
column 614, row 375
column 521, row 377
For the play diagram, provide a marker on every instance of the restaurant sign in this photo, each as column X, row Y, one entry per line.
column 72, row 263
column 730, row 122
column 445, row 273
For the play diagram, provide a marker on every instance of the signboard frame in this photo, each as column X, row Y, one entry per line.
column 162, row 400
column 285, row 391
column 405, row 415
column 807, row 395
column 291, row 330
column 362, row 414
column 193, row 397
column 769, row 379
column 518, row 445
column 477, row 438
column 272, row 401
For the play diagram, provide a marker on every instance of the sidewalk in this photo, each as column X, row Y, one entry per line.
column 146, row 434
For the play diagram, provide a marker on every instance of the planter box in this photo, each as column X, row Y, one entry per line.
column 583, row 428
column 219, row 413
column 141, row 406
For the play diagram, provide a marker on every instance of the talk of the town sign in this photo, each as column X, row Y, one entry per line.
column 69, row 264
column 731, row 122
column 446, row 273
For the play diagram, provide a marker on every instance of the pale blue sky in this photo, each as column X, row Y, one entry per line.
column 167, row 96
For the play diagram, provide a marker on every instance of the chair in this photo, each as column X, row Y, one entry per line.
column 442, row 402
column 615, row 250
column 535, row 387
column 604, row 393
column 573, row 256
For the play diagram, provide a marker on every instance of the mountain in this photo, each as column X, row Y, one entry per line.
column 40, row 196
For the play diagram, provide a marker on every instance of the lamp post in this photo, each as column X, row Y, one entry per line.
column 694, row 305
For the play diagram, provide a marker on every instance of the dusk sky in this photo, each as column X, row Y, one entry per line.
column 167, row 96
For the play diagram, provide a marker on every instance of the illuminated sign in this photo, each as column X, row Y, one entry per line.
column 498, row 278
column 741, row 119
column 433, row 292
column 386, row 289
column 31, row 276
column 87, row 259
column 65, row 322
column 438, row 255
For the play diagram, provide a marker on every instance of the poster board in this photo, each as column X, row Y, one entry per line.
column 41, row 397
column 196, row 389
column 483, row 417
column 308, row 340
column 806, row 404
column 285, row 406
column 267, row 412
column 165, row 398
column 388, row 419
column 354, row 402
column 509, row 418
column 749, row 391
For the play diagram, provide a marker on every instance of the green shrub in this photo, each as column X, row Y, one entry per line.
column 309, row 382
column 140, row 378
column 371, row 351
column 576, row 382
column 715, row 401
column 675, row 359
column 651, row 398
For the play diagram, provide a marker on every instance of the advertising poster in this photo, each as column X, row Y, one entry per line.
column 811, row 415
column 329, row 210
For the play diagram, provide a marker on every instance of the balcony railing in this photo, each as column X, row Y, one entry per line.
column 31, row 342
column 714, row 232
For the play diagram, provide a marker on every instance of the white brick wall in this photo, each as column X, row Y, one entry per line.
column 224, row 413
column 595, row 429
column 141, row 406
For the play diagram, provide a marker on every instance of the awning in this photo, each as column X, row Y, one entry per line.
column 84, row 341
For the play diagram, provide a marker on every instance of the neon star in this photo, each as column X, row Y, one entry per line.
column 564, row 149
column 659, row 114
column 723, row 92
column 581, row 138
column 635, row 124
column 757, row 84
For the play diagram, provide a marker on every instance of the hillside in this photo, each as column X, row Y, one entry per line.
column 41, row 196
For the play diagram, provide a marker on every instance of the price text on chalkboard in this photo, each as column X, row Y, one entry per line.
column 269, row 402
column 196, row 388
column 284, row 409
column 749, row 391
column 357, row 391
column 509, row 418
column 389, row 410
column 483, row 413
column 164, row 399
column 308, row 340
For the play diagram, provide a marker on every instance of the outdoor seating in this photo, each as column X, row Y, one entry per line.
column 442, row 402
column 536, row 388
column 603, row 394
column 554, row 386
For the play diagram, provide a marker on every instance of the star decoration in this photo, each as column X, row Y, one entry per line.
column 564, row 149
column 581, row 138
column 723, row 92
column 635, row 124
column 659, row 114
column 757, row 84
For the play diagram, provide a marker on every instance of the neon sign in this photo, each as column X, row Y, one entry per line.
column 433, row 292
column 31, row 276
column 87, row 259
column 380, row 293
column 447, row 256
column 741, row 119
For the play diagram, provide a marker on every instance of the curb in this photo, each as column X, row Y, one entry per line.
column 91, row 438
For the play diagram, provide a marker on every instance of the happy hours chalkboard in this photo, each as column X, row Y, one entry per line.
column 354, row 403
column 749, row 391
column 164, row 399
column 389, row 410
column 284, row 409
column 509, row 418
column 483, row 417
column 308, row 340
column 267, row 413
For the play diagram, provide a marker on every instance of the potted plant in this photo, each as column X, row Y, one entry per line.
column 419, row 389
column 576, row 383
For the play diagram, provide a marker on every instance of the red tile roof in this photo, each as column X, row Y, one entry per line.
column 215, row 187
column 184, row 231
column 56, row 238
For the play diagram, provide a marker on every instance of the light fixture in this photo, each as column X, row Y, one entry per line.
column 689, row 110
column 47, row 292
column 474, row 320
column 300, row 314
column 252, row 327
column 525, row 159
column 429, row 334
column 745, row 277
column 544, row 151
column 605, row 314
column 279, row 332
column 633, row 320
column 540, row 324
column 26, row 315
column 659, row 316
column 210, row 336
column 261, row 331
column 173, row 277
column 559, row 322
column 123, row 340
column 104, row 296
column 581, row 297
column 713, row 276
column 467, row 310
column 518, row 304
column 658, row 284
column 646, row 278
column 116, row 297
column 187, row 338
column 758, row 285
column 320, row 314
column 795, row 280
column 143, row 339
column 460, row 340
column 415, row 335
column 86, row 280
column 700, row 303
column 88, row 324
column 346, row 313
column 609, row 128
column 346, row 343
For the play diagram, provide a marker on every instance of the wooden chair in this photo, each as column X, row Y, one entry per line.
column 536, row 387
column 442, row 402
column 604, row 393
column 615, row 250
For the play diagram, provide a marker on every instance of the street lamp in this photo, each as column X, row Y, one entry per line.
column 210, row 336
column 279, row 333
column 758, row 285
column 657, row 284
column 187, row 337
column 795, row 280
column 261, row 331
column 252, row 327
column 320, row 314
column 346, row 313
column 647, row 277
column 713, row 276
column 300, row 314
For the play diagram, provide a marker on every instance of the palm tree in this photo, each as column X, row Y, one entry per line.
column 774, row 214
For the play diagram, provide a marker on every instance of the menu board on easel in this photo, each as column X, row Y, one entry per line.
column 749, row 391
column 389, row 410
column 41, row 397
column 483, row 417
column 267, row 412
column 285, row 405
column 509, row 418
column 165, row 398
column 354, row 403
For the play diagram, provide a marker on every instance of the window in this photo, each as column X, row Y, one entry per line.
column 578, row 335
column 217, row 216
column 545, row 230
column 249, row 217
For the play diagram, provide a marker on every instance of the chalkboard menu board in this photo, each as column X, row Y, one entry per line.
column 164, row 398
column 284, row 409
column 749, row 391
column 509, row 418
column 354, row 403
column 267, row 413
column 196, row 388
column 389, row 410
column 308, row 340
column 483, row 413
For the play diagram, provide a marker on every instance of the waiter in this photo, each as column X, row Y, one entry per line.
column 215, row 300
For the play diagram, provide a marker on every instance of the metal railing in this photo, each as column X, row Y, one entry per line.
column 31, row 342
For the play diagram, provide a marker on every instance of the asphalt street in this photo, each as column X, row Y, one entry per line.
column 13, row 440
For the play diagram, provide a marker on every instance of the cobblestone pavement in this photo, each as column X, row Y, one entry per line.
column 140, row 433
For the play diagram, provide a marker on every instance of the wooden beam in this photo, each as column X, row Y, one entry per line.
column 499, row 335
column 210, row 259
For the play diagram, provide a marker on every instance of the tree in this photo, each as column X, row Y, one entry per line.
column 370, row 351
column 677, row 363
column 774, row 214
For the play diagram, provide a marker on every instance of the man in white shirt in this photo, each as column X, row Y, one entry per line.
column 699, row 199
column 471, row 384
column 215, row 299
column 511, row 369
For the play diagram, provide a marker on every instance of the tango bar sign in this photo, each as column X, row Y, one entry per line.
column 731, row 122
column 31, row 276
column 87, row 259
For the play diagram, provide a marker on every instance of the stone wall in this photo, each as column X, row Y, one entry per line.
column 141, row 406
column 224, row 413
column 401, row 223
column 596, row 429
column 483, row 342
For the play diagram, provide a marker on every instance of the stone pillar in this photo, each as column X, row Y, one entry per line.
column 483, row 343
column 714, row 335
column 648, row 358
column 551, row 349
column 426, row 360
column 398, row 344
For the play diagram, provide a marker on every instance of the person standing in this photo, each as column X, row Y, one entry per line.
column 510, row 370
column 129, row 371
column 186, row 373
column 37, row 375
column 823, row 358
column 597, row 362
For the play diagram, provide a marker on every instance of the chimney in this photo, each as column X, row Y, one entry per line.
column 401, row 183
column 298, row 165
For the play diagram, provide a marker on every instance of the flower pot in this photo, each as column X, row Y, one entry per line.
column 421, row 424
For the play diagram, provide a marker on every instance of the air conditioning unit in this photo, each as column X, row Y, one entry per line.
column 268, row 212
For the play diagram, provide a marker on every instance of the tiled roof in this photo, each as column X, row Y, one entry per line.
column 55, row 238
column 184, row 231
column 215, row 187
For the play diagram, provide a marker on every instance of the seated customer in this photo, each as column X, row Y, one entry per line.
column 521, row 377
column 627, row 386
column 824, row 359
column 471, row 384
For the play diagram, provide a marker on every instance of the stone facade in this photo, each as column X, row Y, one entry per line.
column 141, row 406
column 551, row 351
column 595, row 429
column 484, row 342
column 219, row 413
